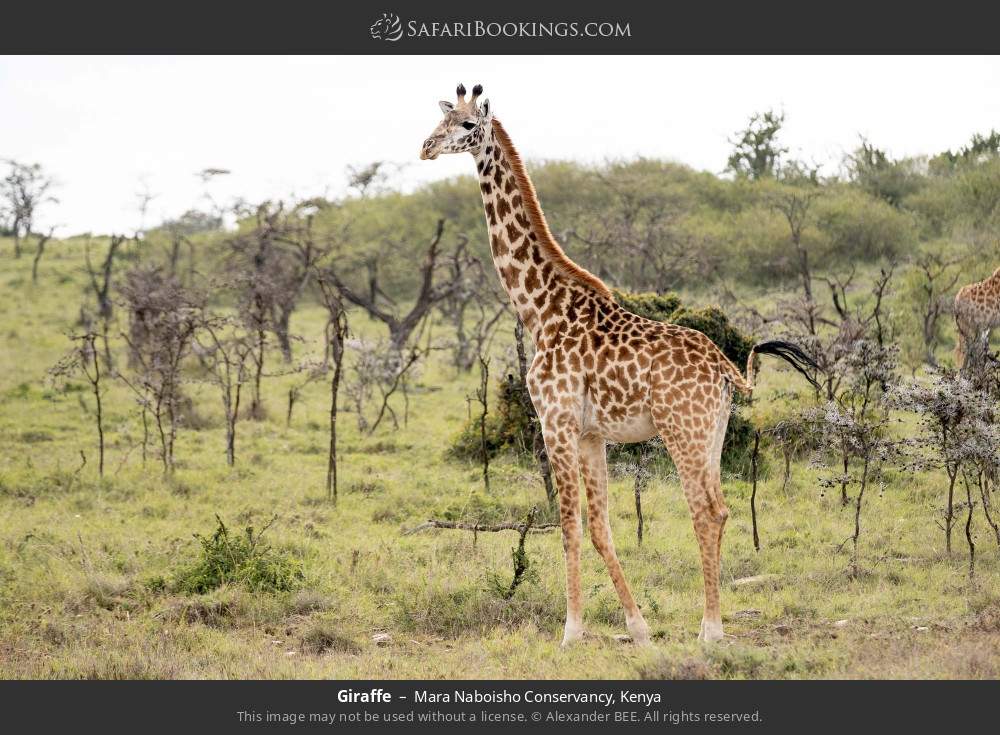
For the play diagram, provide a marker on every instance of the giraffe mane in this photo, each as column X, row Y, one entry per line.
column 546, row 241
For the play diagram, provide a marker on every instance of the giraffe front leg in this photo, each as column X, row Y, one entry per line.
column 594, row 468
column 561, row 447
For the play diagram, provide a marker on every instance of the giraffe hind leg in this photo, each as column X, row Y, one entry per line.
column 695, row 445
column 722, row 423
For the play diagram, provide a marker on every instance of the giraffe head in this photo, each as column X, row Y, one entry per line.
column 463, row 128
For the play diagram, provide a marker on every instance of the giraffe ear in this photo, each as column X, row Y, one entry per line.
column 485, row 112
column 446, row 107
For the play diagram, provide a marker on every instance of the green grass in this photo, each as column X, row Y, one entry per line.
column 89, row 568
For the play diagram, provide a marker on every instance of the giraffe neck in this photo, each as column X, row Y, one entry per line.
column 545, row 287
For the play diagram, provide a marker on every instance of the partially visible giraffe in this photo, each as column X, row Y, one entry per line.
column 601, row 373
column 977, row 313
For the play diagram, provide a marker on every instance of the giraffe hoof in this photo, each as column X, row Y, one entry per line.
column 710, row 632
column 571, row 635
column 639, row 632
column 642, row 641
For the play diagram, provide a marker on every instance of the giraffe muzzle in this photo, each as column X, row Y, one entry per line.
column 429, row 151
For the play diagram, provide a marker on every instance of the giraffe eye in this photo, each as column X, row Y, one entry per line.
column 468, row 125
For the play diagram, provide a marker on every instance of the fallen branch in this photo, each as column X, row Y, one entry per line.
column 477, row 527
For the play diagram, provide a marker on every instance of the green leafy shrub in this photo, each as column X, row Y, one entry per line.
column 508, row 426
column 738, row 446
column 858, row 227
column 658, row 307
column 709, row 320
column 524, row 572
column 240, row 559
column 524, row 569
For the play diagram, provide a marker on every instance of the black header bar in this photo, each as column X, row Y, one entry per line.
column 511, row 27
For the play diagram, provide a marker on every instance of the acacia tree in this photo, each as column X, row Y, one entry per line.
column 639, row 467
column 252, row 255
column 980, row 468
column 83, row 360
column 386, row 366
column 871, row 169
column 791, row 435
column 756, row 152
column 178, row 240
column 24, row 189
column 961, row 434
column 854, row 425
column 794, row 202
column 39, row 251
column 953, row 417
column 100, row 280
column 473, row 306
column 313, row 372
column 377, row 373
column 223, row 347
column 936, row 286
column 393, row 379
column 642, row 237
column 142, row 395
column 402, row 326
column 336, row 333
column 858, row 327
column 482, row 397
column 271, row 263
column 180, row 232
column 294, row 266
column 163, row 319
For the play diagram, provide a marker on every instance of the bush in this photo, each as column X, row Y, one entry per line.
column 450, row 608
column 109, row 591
column 658, row 307
column 478, row 507
column 322, row 636
column 239, row 560
column 858, row 227
column 508, row 426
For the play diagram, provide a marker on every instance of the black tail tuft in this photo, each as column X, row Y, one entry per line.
column 792, row 354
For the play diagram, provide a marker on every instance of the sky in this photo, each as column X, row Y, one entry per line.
column 107, row 128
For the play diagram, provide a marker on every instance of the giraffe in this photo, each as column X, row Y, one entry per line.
column 977, row 312
column 601, row 373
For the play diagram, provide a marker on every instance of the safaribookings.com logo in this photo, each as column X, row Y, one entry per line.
column 387, row 28
column 390, row 28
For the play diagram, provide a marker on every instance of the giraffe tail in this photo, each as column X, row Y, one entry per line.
column 790, row 353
